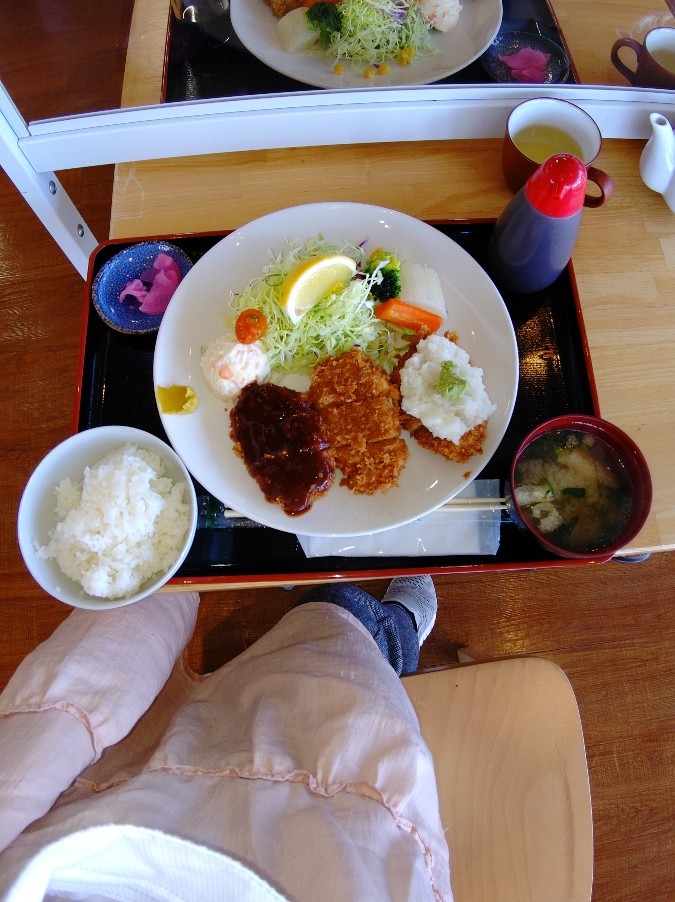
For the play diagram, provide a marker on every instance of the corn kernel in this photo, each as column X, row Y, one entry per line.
column 338, row 69
column 383, row 70
column 369, row 72
column 405, row 56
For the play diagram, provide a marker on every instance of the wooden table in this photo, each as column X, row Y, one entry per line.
column 624, row 260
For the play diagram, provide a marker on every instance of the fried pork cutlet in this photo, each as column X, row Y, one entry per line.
column 365, row 422
column 281, row 7
column 351, row 376
column 471, row 442
column 359, row 411
column 375, row 469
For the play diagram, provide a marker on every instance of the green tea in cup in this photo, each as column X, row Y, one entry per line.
column 654, row 59
column 665, row 57
column 539, row 142
column 541, row 127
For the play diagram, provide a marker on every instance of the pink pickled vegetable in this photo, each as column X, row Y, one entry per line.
column 162, row 277
column 528, row 65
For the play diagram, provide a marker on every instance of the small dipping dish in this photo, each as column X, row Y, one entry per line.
column 521, row 57
column 581, row 486
column 122, row 269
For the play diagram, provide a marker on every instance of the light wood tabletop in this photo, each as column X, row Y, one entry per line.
column 624, row 261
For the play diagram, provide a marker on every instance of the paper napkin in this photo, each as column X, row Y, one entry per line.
column 442, row 532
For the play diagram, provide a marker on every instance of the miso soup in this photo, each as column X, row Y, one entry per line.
column 572, row 489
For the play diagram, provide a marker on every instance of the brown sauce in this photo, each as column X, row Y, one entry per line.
column 278, row 435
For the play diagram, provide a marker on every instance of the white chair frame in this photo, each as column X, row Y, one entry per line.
column 31, row 153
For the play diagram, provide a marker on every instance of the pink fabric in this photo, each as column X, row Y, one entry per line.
column 92, row 680
column 302, row 758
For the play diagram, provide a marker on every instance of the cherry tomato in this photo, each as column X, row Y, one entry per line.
column 249, row 326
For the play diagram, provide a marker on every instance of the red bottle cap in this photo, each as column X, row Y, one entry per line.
column 558, row 187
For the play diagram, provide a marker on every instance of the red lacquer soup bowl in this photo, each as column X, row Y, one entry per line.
column 581, row 486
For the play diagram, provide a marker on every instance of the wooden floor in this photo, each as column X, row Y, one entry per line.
column 611, row 628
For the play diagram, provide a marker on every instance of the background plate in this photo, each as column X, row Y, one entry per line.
column 479, row 21
column 195, row 317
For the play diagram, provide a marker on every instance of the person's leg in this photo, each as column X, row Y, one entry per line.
column 83, row 689
column 398, row 624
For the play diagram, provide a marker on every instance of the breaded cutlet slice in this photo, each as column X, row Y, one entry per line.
column 359, row 410
column 351, row 376
column 470, row 443
column 281, row 7
column 373, row 469
column 359, row 422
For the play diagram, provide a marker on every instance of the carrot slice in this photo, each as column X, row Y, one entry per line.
column 407, row 316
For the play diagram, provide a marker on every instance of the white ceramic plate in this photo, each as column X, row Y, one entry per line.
column 479, row 22
column 195, row 317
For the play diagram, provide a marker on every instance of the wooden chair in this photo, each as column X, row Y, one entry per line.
column 512, row 779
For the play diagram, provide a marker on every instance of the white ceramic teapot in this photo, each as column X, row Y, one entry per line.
column 657, row 162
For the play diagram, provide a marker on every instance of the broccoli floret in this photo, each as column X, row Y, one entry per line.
column 390, row 269
column 327, row 19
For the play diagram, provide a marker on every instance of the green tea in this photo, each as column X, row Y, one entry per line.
column 539, row 142
column 665, row 57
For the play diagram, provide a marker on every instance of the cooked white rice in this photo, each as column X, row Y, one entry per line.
column 122, row 524
column 445, row 418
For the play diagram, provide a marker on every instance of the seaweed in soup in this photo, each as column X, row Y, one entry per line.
column 573, row 490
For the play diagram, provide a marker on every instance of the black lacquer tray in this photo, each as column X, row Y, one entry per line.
column 209, row 61
column 116, row 387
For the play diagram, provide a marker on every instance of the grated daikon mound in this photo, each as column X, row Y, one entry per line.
column 445, row 419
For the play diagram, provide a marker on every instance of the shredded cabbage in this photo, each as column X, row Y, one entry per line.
column 339, row 322
column 377, row 30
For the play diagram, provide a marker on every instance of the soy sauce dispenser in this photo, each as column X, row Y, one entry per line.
column 534, row 237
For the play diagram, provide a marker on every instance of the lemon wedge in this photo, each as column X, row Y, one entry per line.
column 312, row 280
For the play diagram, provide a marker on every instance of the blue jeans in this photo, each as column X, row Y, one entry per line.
column 390, row 626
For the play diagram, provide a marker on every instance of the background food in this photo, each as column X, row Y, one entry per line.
column 281, row 7
column 443, row 15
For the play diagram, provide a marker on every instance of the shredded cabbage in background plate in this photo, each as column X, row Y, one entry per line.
column 336, row 324
column 374, row 31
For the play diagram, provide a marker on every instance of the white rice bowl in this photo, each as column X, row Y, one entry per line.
column 107, row 517
column 445, row 418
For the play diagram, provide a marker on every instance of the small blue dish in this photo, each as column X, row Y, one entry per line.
column 553, row 70
column 115, row 275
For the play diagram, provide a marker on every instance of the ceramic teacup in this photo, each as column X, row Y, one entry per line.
column 543, row 126
column 655, row 59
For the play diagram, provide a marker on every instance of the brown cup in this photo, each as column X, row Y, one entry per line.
column 655, row 59
column 557, row 126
